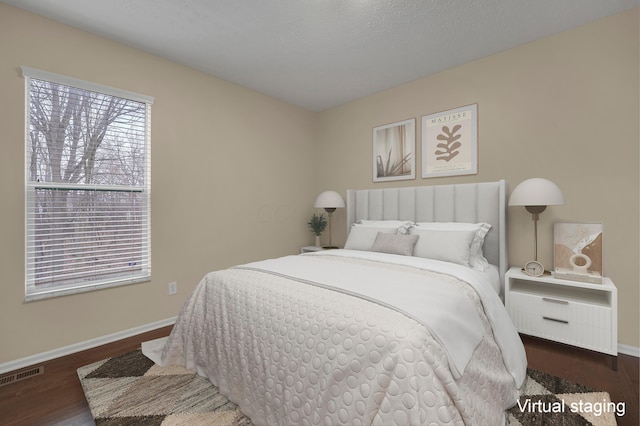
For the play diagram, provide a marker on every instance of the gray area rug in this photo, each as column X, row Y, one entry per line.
column 130, row 389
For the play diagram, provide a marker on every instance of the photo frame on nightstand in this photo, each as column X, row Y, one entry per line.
column 577, row 251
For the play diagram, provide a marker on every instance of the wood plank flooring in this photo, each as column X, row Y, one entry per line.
column 56, row 397
column 590, row 369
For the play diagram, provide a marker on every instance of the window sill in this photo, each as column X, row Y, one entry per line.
column 51, row 293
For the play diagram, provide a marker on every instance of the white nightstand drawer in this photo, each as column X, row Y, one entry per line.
column 576, row 313
column 563, row 320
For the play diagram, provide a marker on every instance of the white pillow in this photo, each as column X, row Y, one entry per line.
column 402, row 225
column 395, row 243
column 449, row 245
column 361, row 237
column 477, row 259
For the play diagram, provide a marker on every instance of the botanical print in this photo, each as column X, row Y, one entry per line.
column 393, row 151
column 449, row 142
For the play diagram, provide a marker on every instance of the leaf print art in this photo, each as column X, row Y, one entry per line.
column 393, row 169
column 450, row 142
column 448, row 149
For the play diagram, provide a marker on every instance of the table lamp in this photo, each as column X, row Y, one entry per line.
column 329, row 201
column 535, row 195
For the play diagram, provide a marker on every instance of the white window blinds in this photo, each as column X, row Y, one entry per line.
column 87, row 186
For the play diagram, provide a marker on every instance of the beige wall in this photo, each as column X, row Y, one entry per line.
column 564, row 108
column 232, row 181
column 234, row 173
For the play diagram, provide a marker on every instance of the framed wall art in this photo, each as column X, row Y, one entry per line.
column 450, row 142
column 577, row 251
column 394, row 151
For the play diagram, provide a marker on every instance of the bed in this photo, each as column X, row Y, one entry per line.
column 404, row 326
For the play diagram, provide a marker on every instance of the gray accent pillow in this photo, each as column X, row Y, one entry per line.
column 395, row 243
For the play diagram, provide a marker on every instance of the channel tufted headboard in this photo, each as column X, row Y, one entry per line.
column 467, row 202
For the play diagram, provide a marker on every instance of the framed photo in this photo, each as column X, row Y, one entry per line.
column 450, row 142
column 577, row 251
column 394, row 151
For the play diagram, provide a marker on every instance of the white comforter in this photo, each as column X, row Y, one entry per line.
column 297, row 340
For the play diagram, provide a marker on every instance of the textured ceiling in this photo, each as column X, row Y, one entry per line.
column 321, row 53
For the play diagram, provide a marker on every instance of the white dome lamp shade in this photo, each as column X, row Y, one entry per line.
column 535, row 195
column 329, row 201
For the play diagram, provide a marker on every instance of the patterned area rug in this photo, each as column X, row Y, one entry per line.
column 550, row 400
column 130, row 389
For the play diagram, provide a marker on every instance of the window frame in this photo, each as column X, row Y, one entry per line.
column 31, row 292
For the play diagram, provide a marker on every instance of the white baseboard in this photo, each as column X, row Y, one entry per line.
column 629, row 350
column 82, row 346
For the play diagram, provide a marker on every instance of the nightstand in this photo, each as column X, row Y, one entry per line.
column 571, row 312
column 308, row 249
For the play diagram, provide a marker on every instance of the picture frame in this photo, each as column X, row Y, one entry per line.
column 450, row 142
column 577, row 251
column 394, row 151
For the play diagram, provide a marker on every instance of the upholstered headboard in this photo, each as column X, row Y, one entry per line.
column 467, row 202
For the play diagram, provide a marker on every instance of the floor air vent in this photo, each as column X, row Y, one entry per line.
column 21, row 375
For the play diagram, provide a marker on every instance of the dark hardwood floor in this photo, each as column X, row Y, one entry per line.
column 56, row 397
column 590, row 369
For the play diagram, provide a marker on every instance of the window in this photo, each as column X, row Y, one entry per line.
column 87, row 186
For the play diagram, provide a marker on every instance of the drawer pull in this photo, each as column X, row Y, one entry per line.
column 555, row 320
column 561, row 302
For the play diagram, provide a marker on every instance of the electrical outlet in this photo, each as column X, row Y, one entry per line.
column 173, row 288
